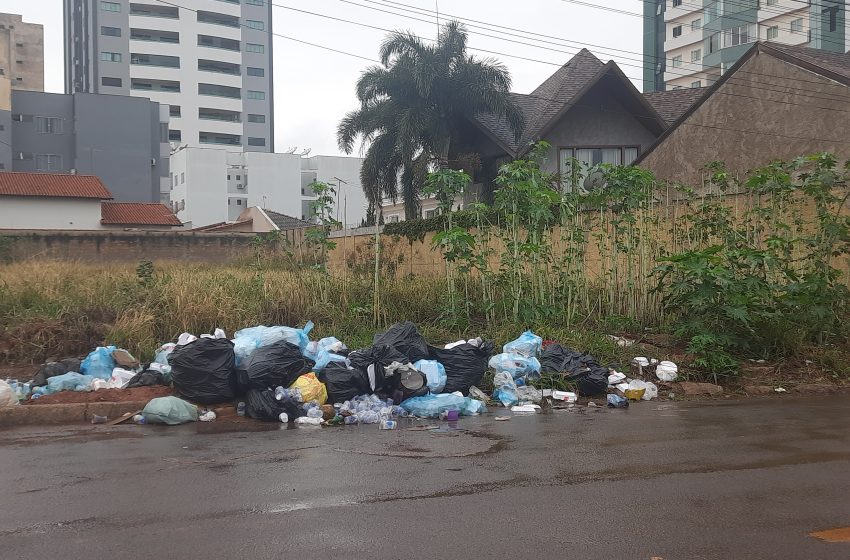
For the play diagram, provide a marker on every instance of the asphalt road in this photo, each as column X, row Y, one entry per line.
column 724, row 480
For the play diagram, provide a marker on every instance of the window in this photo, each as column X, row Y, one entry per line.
column 830, row 14
column 154, row 35
column 219, row 115
column 677, row 3
column 238, row 202
column 182, row 178
column 254, row 24
column 174, row 135
column 218, row 42
column 771, row 2
column 205, row 65
column 696, row 24
column 696, row 55
column 254, row 48
column 219, row 91
column 256, row 118
column 260, row 72
column 696, row 84
column 155, row 85
column 110, row 6
column 239, row 177
column 676, row 61
column 712, row 44
column 219, row 138
column 256, row 94
column 391, row 219
column 590, row 157
column 48, row 162
column 19, row 45
column 110, row 31
column 797, row 25
column 48, row 125
column 217, row 19
column 110, row 82
column 740, row 35
column 238, row 185
column 772, row 32
column 174, row 110
column 430, row 213
column 174, row 179
column 677, row 31
column 256, row 141
column 154, row 10
column 163, row 61
column 255, row 2
column 228, row 177
column 110, row 56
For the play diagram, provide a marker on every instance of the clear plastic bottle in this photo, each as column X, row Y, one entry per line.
column 284, row 417
column 139, row 419
column 240, row 408
column 278, row 393
column 351, row 419
column 314, row 412
column 306, row 420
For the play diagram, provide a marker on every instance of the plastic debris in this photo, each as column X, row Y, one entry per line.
column 169, row 410
column 516, row 364
column 528, row 345
column 565, row 396
column 7, row 396
column 616, row 401
column 99, row 363
column 70, row 381
column 620, row 341
column 667, row 371
column 616, row 378
column 245, row 341
column 311, row 388
column 506, row 389
column 430, row 406
column 308, row 421
column 435, row 374
column 526, row 408
column 207, row 416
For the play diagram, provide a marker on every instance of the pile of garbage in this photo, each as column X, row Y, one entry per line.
column 276, row 373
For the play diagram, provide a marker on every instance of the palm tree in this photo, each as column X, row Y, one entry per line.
column 411, row 108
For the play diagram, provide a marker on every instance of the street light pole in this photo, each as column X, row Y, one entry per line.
column 339, row 184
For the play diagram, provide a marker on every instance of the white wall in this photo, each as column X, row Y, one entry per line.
column 352, row 200
column 274, row 182
column 39, row 212
column 201, row 176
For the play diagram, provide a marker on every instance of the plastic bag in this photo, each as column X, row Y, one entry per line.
column 667, row 371
column 506, row 389
column 343, row 383
column 169, row 410
column 261, row 405
column 591, row 378
column 120, row 378
column 516, row 364
column 7, row 396
column 650, row 389
column 374, row 361
column 528, row 344
column 52, row 369
column 527, row 393
column 147, row 378
column 405, row 339
column 465, row 365
column 330, row 343
column 71, row 381
column 99, row 363
column 435, row 374
column 278, row 364
column 203, row 370
column 247, row 340
column 161, row 356
column 411, row 381
column 311, row 388
column 430, row 406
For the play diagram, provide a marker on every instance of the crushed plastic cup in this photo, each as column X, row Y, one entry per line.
column 565, row 396
column 450, row 415
column 388, row 424
column 97, row 419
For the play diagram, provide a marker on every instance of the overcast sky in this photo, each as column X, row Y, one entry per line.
column 314, row 87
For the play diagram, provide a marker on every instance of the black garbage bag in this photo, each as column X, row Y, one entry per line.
column 261, row 405
column 404, row 338
column 591, row 378
column 373, row 361
column 275, row 365
column 465, row 364
column 146, row 378
column 203, row 371
column 52, row 369
column 344, row 384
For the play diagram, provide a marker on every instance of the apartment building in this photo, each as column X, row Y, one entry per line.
column 214, row 185
column 210, row 61
column 691, row 43
column 21, row 53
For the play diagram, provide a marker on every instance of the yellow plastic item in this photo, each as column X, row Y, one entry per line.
column 634, row 394
column 311, row 388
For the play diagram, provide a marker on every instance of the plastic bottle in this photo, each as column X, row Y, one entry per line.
column 240, row 408
column 314, row 413
column 139, row 419
column 349, row 420
column 97, row 419
column 308, row 421
column 284, row 417
column 388, row 424
column 616, row 401
column 278, row 393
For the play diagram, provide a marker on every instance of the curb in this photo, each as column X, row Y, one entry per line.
column 52, row 414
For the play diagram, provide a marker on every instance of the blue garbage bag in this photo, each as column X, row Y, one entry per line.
column 528, row 345
column 506, row 389
column 324, row 351
column 323, row 358
column 430, row 406
column 71, row 381
column 435, row 374
column 247, row 340
column 99, row 363
column 516, row 364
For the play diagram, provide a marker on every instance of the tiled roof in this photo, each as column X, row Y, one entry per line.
column 222, row 226
column 285, row 222
column 672, row 104
column 137, row 214
column 60, row 185
column 836, row 62
column 500, row 128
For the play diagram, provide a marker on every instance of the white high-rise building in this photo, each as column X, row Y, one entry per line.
column 209, row 60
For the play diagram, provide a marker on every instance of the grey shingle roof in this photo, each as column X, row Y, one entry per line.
column 672, row 104
column 285, row 222
column 546, row 101
column 836, row 62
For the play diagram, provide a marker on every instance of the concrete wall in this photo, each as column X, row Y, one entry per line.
column 22, row 52
column 351, row 209
column 274, row 182
column 37, row 212
column 199, row 179
column 751, row 127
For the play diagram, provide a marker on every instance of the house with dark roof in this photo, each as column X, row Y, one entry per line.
column 777, row 102
column 257, row 220
column 587, row 110
column 60, row 201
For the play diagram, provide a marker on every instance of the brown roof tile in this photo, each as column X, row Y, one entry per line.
column 61, row 185
column 137, row 214
column 836, row 62
column 672, row 104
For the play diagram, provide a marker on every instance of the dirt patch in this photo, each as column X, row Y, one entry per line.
column 104, row 395
column 46, row 340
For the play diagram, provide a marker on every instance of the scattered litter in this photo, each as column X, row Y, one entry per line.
column 616, row 378
column 516, row 364
column 616, row 401
column 97, row 419
column 431, row 406
column 169, row 410
column 781, row 390
column 565, row 396
column 502, row 418
column 620, row 341
column 525, row 408
column 207, row 416
column 435, row 374
column 99, row 363
column 582, row 368
column 527, row 345
column 308, row 421
column 667, row 371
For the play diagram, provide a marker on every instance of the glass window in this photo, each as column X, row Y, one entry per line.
column 218, row 42
column 797, row 25
column 677, row 31
column 252, row 94
column 677, row 3
column 260, row 72
column 255, row 24
column 238, row 202
column 216, row 18
column 696, row 55
column 676, row 62
column 111, row 82
column 160, row 60
column 771, row 2
column 254, row 48
column 255, row 2
column 110, row 31
column 591, row 157
column 174, row 110
column 48, row 125
column 110, row 6
column 696, row 24
column 182, row 178
column 256, row 141
column 256, row 118
column 48, row 162
column 696, row 84
column 772, row 32
column 110, row 56
column 174, row 135
column 220, row 91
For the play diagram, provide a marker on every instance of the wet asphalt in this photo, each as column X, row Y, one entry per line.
column 745, row 479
